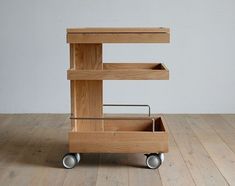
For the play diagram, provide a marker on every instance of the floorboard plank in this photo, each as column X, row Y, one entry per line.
column 139, row 174
column 230, row 118
column 20, row 132
column 113, row 170
column 85, row 173
column 222, row 128
column 50, row 170
column 174, row 171
column 219, row 152
column 15, row 134
column 198, row 161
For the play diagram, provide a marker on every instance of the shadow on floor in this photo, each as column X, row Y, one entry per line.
column 44, row 145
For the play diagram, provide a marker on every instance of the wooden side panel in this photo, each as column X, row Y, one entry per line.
column 88, row 56
column 118, row 142
column 86, row 96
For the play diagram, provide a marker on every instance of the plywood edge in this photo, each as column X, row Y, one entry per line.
column 119, row 30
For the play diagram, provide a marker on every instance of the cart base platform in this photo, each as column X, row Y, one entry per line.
column 134, row 135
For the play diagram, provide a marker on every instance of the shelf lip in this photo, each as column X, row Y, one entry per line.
column 118, row 35
column 103, row 30
column 122, row 71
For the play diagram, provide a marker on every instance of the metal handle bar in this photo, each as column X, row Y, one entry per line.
column 112, row 118
column 129, row 105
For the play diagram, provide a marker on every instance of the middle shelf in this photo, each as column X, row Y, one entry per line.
column 122, row 71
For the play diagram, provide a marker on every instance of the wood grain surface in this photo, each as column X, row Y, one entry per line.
column 86, row 96
column 122, row 71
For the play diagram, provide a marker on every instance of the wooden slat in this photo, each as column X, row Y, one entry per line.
column 118, row 30
column 119, row 71
column 118, row 38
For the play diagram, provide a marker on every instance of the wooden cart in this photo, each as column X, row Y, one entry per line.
column 92, row 132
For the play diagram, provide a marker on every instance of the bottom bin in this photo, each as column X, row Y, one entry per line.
column 132, row 135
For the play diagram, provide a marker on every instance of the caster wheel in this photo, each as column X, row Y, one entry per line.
column 153, row 161
column 161, row 156
column 78, row 157
column 70, row 160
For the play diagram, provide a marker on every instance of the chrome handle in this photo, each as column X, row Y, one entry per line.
column 129, row 105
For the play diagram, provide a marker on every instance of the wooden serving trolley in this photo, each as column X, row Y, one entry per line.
column 91, row 132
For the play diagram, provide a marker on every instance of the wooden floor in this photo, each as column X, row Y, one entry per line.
column 202, row 152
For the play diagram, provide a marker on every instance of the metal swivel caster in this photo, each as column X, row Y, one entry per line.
column 70, row 160
column 161, row 156
column 153, row 160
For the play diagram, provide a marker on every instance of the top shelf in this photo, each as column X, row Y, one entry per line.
column 118, row 30
column 118, row 35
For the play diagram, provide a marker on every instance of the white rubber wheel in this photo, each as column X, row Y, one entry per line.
column 69, row 161
column 153, row 161
column 78, row 157
column 161, row 156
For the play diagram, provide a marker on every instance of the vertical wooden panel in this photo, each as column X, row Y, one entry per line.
column 88, row 56
column 87, row 96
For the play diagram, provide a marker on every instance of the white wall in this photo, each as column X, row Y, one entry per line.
column 201, row 56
